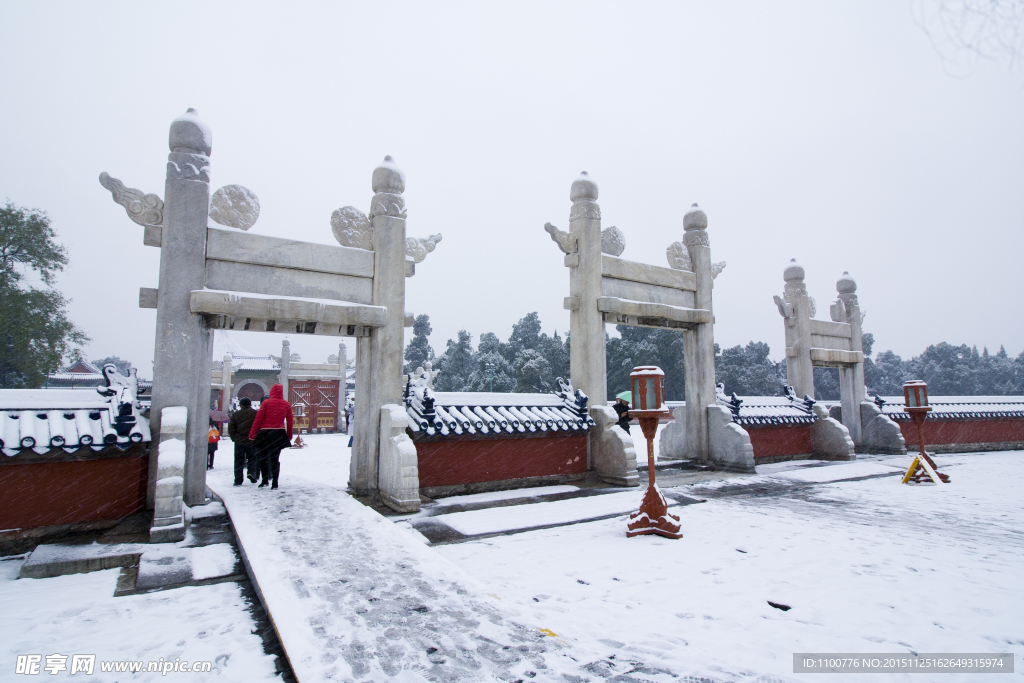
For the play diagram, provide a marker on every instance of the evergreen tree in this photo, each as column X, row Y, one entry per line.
column 646, row 346
column 36, row 336
column 456, row 365
column 418, row 352
column 747, row 371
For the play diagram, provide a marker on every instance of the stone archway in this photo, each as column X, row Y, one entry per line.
column 252, row 389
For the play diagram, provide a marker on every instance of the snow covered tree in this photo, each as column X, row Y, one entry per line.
column 747, row 370
column 456, row 365
column 533, row 372
column 418, row 352
column 645, row 346
column 37, row 335
column 492, row 372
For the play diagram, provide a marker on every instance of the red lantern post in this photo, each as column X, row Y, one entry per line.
column 648, row 385
column 915, row 397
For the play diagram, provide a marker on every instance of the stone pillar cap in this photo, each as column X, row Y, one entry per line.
column 846, row 284
column 190, row 135
column 794, row 272
column 388, row 177
column 583, row 187
column 695, row 219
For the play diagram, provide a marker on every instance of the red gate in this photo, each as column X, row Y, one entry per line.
column 314, row 404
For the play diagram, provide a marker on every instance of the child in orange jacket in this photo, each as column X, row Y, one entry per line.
column 211, row 446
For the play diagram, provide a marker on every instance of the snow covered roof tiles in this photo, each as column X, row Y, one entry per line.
column 45, row 419
column 455, row 413
column 960, row 407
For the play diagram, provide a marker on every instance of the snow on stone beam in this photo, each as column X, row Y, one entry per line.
column 246, row 311
column 641, row 314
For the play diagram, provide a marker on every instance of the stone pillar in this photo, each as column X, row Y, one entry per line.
column 799, row 368
column 226, row 382
column 286, row 362
column 379, row 372
column 586, row 326
column 852, row 378
column 359, row 463
column 699, row 344
column 184, row 347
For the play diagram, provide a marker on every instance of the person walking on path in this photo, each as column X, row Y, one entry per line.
column 271, row 431
column 350, row 418
column 211, row 444
column 622, row 409
column 238, row 429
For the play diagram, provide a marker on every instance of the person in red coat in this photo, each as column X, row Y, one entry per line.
column 270, row 433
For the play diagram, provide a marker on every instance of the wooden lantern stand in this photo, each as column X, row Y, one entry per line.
column 648, row 383
column 923, row 468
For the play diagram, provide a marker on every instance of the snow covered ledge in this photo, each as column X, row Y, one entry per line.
column 168, row 519
column 611, row 448
column 398, row 473
column 730, row 443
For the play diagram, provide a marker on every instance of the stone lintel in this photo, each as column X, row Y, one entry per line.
column 648, row 274
column 147, row 297
column 234, row 276
column 641, row 314
column 572, row 260
column 244, row 247
column 571, row 303
column 233, row 310
column 830, row 357
column 410, row 268
column 830, row 329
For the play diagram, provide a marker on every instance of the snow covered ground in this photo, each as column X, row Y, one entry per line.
column 867, row 566
column 78, row 614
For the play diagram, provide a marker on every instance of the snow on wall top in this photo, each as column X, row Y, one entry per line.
column 960, row 407
column 507, row 414
column 45, row 419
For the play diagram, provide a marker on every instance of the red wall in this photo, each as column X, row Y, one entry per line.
column 964, row 431
column 41, row 494
column 780, row 440
column 449, row 462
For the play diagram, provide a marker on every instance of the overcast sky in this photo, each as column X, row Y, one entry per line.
column 829, row 132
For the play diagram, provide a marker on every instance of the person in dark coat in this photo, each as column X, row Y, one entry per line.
column 238, row 429
column 271, row 432
column 622, row 408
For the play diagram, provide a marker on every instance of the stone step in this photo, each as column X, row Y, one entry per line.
column 58, row 559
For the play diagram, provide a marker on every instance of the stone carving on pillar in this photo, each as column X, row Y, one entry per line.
column 417, row 248
column 352, row 228
column 613, row 242
column 678, row 257
column 235, row 206
column 717, row 268
column 695, row 223
column 144, row 209
column 388, row 186
column 584, row 199
column 566, row 241
column 785, row 309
